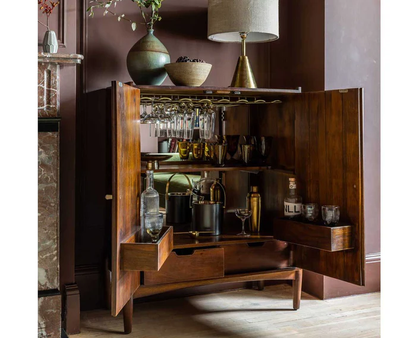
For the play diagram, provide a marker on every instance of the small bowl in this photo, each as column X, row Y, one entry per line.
column 192, row 74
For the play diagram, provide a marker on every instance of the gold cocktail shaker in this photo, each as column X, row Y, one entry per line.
column 253, row 202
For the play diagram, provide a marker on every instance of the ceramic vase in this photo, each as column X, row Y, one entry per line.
column 146, row 60
column 50, row 42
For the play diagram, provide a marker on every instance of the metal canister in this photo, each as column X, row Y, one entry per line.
column 253, row 202
column 207, row 217
column 178, row 209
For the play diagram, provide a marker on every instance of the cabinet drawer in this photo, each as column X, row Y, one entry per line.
column 188, row 265
column 327, row 238
column 251, row 257
column 146, row 256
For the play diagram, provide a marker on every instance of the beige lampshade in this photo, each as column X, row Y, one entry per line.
column 228, row 18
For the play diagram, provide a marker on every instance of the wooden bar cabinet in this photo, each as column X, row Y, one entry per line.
column 317, row 139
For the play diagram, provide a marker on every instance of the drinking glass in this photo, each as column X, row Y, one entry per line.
column 243, row 214
column 153, row 223
column 183, row 148
column 264, row 146
column 246, row 153
column 197, row 150
column 207, row 122
column 330, row 214
column 232, row 144
column 310, row 211
column 188, row 123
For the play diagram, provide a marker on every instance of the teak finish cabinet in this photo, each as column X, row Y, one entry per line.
column 317, row 139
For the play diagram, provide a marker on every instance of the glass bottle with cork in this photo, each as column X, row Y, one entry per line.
column 292, row 201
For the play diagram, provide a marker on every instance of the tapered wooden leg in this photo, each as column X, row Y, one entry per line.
column 259, row 285
column 128, row 316
column 297, row 288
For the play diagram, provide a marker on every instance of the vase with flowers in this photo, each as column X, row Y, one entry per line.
column 50, row 42
column 148, row 56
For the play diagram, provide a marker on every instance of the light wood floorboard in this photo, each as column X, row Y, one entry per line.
column 244, row 314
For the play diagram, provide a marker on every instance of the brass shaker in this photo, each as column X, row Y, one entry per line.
column 253, row 202
column 217, row 193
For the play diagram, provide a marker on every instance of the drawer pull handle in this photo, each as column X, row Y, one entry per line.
column 256, row 245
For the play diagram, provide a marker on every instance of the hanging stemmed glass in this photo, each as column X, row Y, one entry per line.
column 161, row 124
column 207, row 121
column 189, row 121
column 243, row 214
column 150, row 118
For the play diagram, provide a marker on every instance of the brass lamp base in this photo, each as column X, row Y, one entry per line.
column 243, row 75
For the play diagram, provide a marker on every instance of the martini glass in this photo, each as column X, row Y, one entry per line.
column 243, row 214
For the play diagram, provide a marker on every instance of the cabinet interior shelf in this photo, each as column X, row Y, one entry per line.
column 175, row 168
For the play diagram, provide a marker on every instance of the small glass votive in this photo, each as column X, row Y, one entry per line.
column 310, row 211
column 330, row 214
column 153, row 223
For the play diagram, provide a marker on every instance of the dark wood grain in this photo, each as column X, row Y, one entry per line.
column 145, row 256
column 197, row 265
column 329, row 126
column 184, row 241
column 126, row 187
column 250, row 257
column 297, row 289
column 284, row 274
column 335, row 238
column 128, row 316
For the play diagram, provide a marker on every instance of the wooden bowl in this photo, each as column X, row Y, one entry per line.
column 191, row 74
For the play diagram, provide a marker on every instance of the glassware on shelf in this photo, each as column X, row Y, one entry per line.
column 219, row 153
column 246, row 153
column 207, row 122
column 264, row 146
column 183, row 149
column 243, row 214
column 188, row 121
column 232, row 145
column 330, row 214
column 310, row 211
column 197, row 150
column 153, row 223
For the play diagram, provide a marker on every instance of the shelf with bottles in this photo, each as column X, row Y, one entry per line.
column 188, row 168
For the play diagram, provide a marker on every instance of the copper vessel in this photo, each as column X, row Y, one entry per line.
column 253, row 202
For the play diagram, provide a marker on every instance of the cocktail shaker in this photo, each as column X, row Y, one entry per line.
column 253, row 203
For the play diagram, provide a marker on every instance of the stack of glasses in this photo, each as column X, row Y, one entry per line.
column 179, row 120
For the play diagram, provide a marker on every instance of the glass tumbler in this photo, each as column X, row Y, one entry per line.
column 310, row 211
column 330, row 214
column 153, row 223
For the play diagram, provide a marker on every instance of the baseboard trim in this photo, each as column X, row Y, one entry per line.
column 324, row 287
column 72, row 313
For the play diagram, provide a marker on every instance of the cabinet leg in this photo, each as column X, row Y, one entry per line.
column 297, row 289
column 259, row 285
column 128, row 316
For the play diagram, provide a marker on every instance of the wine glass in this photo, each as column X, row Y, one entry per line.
column 243, row 214
column 153, row 223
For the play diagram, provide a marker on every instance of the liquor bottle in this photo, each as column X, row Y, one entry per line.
column 253, row 203
column 150, row 197
column 292, row 202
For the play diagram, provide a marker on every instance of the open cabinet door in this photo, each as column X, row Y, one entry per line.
column 125, row 106
column 326, row 131
column 329, row 167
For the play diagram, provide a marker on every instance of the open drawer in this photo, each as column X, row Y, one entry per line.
column 146, row 256
column 188, row 265
column 317, row 236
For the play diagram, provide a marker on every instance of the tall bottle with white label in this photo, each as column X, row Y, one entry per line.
column 150, row 197
column 292, row 201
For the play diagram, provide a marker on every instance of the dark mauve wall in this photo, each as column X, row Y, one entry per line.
column 352, row 59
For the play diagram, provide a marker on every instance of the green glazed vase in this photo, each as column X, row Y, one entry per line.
column 146, row 60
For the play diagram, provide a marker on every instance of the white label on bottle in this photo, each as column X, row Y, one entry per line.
column 292, row 209
column 292, row 185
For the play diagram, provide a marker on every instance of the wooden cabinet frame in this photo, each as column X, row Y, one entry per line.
column 318, row 140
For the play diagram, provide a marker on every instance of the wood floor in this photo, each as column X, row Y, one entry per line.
column 244, row 313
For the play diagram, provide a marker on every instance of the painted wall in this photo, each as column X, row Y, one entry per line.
column 352, row 59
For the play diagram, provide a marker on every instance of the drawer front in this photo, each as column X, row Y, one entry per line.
column 189, row 265
column 252, row 257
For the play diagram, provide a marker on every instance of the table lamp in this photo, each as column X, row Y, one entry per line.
column 243, row 21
